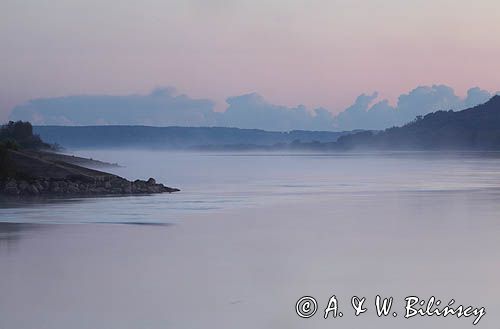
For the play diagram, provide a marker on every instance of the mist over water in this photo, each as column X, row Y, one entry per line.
column 251, row 233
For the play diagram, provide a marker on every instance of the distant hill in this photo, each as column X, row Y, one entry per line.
column 477, row 128
column 79, row 137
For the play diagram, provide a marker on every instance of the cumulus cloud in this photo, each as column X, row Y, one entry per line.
column 425, row 99
column 160, row 108
column 357, row 112
column 163, row 107
column 419, row 101
column 253, row 111
column 476, row 96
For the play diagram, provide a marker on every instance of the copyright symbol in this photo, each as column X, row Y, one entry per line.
column 306, row 307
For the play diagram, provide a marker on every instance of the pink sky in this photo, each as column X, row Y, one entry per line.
column 311, row 52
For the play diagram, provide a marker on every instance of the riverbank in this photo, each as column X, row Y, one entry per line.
column 40, row 173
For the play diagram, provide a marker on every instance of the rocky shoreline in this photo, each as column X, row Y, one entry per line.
column 36, row 174
column 113, row 186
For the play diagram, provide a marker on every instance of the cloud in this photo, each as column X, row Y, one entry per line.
column 253, row 111
column 350, row 117
column 425, row 99
column 163, row 107
column 160, row 108
column 476, row 96
column 419, row 101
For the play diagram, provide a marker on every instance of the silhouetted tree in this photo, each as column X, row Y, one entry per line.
column 19, row 134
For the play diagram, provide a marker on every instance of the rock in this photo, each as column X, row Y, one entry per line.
column 32, row 189
column 116, row 183
column 11, row 183
column 73, row 189
column 170, row 189
column 54, row 187
column 116, row 186
column 23, row 186
column 97, row 190
column 75, row 186
column 127, row 189
column 83, row 188
column 45, row 184
column 55, row 177
column 11, row 190
column 38, row 186
column 154, row 189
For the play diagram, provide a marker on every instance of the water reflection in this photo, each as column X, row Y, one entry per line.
column 12, row 233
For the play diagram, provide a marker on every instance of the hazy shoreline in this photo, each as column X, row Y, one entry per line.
column 34, row 173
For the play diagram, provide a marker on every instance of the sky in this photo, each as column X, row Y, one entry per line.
column 319, row 53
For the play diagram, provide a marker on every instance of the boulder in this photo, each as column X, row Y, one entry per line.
column 32, row 189
column 45, row 184
column 10, row 188
column 54, row 187
column 38, row 186
column 73, row 189
column 23, row 186
column 11, row 183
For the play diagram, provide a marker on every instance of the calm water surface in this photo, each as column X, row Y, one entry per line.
column 251, row 233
